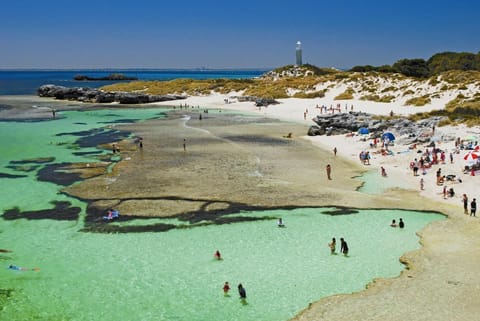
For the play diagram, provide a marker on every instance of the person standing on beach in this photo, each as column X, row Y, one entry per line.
column 184, row 145
column 343, row 247
column 332, row 245
column 329, row 171
column 473, row 207
column 335, row 151
column 422, row 183
column 465, row 204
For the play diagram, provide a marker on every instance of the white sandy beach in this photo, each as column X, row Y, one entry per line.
column 442, row 281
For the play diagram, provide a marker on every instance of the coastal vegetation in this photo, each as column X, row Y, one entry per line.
column 435, row 65
column 453, row 77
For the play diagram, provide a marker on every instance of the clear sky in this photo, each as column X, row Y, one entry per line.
column 231, row 34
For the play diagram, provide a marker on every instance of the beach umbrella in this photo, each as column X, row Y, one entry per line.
column 364, row 131
column 389, row 136
column 471, row 157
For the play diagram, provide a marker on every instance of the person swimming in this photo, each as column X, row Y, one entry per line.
column 332, row 245
column 226, row 288
column 280, row 223
column 19, row 268
column 217, row 255
column 394, row 223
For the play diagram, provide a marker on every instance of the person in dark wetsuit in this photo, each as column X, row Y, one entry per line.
column 473, row 207
column 343, row 247
column 401, row 224
column 465, row 203
column 241, row 291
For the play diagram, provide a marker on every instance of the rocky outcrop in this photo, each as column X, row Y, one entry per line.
column 106, row 78
column 345, row 123
column 86, row 94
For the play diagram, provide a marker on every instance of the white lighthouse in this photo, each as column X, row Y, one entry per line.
column 298, row 52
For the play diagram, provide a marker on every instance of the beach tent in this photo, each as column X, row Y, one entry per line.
column 363, row 131
column 389, row 136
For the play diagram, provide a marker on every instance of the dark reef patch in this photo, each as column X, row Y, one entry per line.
column 5, row 175
column 5, row 107
column 62, row 212
column 97, row 136
column 110, row 228
column 41, row 160
column 96, row 152
column 341, row 211
column 58, row 174
column 264, row 140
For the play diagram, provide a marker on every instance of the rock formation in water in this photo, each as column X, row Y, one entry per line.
column 92, row 95
column 106, row 78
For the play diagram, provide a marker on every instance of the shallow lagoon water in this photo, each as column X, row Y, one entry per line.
column 172, row 275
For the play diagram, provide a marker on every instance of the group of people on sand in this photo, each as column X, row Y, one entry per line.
column 401, row 224
column 473, row 206
column 343, row 246
column 226, row 286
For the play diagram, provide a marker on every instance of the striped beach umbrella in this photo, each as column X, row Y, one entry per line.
column 471, row 157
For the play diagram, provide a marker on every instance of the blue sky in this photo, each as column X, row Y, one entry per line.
column 231, row 34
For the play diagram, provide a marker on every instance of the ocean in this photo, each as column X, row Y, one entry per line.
column 26, row 82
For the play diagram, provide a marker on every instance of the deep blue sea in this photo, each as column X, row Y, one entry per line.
column 26, row 82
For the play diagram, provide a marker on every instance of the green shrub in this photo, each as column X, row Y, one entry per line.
column 346, row 95
column 418, row 101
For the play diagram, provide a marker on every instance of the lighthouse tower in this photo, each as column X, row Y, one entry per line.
column 298, row 54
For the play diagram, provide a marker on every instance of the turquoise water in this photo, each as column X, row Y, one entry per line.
column 172, row 275
column 374, row 183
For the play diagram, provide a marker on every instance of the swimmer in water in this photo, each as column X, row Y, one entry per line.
column 217, row 255
column 242, row 292
column 226, row 288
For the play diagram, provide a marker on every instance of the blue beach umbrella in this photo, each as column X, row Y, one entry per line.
column 388, row 136
column 363, row 131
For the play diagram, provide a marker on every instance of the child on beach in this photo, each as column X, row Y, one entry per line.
column 384, row 172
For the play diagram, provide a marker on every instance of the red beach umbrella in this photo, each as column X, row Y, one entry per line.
column 471, row 157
